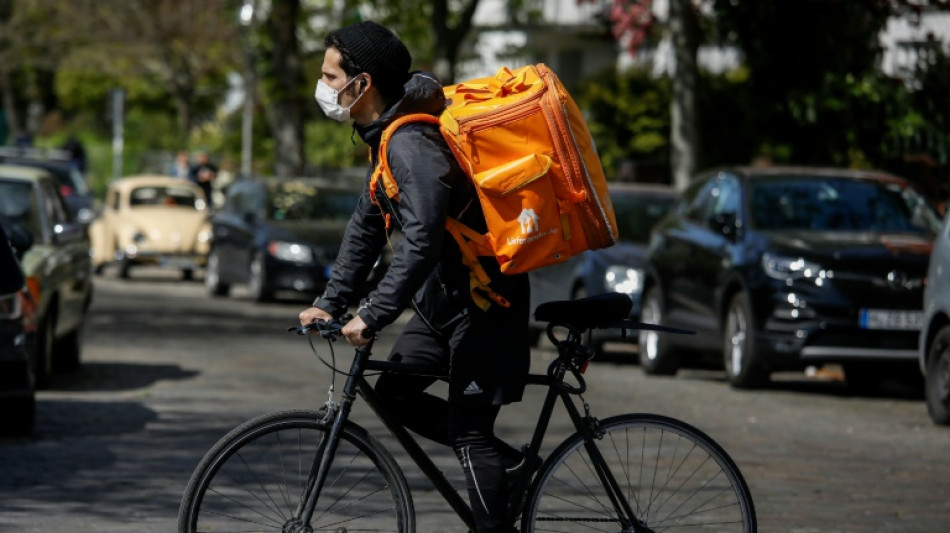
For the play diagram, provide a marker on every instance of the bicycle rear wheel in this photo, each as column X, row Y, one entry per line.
column 674, row 477
column 254, row 479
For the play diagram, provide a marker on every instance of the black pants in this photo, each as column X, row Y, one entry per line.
column 466, row 420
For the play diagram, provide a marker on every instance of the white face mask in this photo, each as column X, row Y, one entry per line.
column 328, row 99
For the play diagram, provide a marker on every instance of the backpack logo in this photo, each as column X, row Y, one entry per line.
column 529, row 221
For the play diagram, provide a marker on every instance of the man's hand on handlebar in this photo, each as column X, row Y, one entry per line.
column 355, row 330
column 312, row 314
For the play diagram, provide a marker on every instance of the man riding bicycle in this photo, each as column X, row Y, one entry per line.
column 366, row 76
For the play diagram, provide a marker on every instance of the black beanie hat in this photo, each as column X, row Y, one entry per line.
column 377, row 50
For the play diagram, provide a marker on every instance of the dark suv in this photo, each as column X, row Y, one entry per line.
column 781, row 268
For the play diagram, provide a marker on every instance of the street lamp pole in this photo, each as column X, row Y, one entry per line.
column 246, row 19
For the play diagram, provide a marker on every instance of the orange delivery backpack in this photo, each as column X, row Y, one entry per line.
column 524, row 143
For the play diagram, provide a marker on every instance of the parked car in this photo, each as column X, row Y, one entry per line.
column 280, row 235
column 55, row 261
column 18, row 322
column 782, row 268
column 934, row 355
column 152, row 220
column 618, row 268
column 72, row 183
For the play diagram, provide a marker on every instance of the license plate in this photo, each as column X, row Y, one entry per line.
column 889, row 319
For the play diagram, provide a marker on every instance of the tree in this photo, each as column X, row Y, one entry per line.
column 448, row 21
column 632, row 21
column 284, row 86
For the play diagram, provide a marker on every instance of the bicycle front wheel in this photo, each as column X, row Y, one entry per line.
column 255, row 478
column 672, row 476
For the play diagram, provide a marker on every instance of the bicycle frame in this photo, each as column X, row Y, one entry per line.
column 356, row 383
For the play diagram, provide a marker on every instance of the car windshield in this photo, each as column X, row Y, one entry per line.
column 165, row 196
column 638, row 213
column 839, row 204
column 17, row 206
column 302, row 201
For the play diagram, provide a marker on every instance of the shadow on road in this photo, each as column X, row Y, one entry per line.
column 99, row 376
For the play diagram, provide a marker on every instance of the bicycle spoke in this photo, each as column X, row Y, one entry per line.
column 247, row 482
column 672, row 476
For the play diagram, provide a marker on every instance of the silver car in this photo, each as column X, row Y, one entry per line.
column 934, row 346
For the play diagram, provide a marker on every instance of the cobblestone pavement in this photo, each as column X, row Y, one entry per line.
column 169, row 370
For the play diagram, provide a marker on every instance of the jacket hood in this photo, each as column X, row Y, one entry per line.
column 423, row 94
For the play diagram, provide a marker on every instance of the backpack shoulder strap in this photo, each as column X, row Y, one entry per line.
column 470, row 242
column 382, row 171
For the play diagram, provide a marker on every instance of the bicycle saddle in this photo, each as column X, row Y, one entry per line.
column 598, row 311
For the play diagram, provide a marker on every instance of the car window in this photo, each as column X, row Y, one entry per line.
column 18, row 206
column 301, row 201
column 839, row 204
column 725, row 196
column 55, row 209
column 700, row 206
column 638, row 213
column 165, row 196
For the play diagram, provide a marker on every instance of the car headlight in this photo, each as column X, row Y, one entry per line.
column 624, row 279
column 204, row 235
column 793, row 268
column 290, row 251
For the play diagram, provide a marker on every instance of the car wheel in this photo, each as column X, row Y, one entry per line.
column 937, row 380
column 743, row 368
column 213, row 277
column 656, row 357
column 125, row 265
column 46, row 341
column 257, row 285
column 69, row 351
column 19, row 416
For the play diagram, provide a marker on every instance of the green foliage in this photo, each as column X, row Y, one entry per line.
column 628, row 115
column 329, row 144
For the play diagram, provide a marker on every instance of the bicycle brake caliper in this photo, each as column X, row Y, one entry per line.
column 593, row 425
column 330, row 407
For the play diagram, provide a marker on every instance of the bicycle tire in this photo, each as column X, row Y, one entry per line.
column 254, row 477
column 674, row 476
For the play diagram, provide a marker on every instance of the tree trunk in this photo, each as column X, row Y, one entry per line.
column 285, row 114
column 684, row 127
column 9, row 103
column 448, row 39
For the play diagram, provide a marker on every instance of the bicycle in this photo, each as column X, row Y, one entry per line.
column 303, row 471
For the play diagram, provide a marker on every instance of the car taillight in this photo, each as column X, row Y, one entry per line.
column 33, row 283
column 66, row 190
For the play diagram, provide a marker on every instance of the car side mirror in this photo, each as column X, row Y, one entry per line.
column 726, row 224
column 249, row 217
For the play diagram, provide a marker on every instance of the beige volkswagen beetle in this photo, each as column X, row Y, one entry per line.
column 152, row 220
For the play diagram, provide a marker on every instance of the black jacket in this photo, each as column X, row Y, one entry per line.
column 426, row 271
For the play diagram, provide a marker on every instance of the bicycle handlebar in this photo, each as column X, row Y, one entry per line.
column 329, row 329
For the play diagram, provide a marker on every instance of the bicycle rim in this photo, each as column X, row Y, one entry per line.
column 674, row 477
column 253, row 480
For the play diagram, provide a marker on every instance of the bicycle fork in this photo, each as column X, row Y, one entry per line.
column 326, row 449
